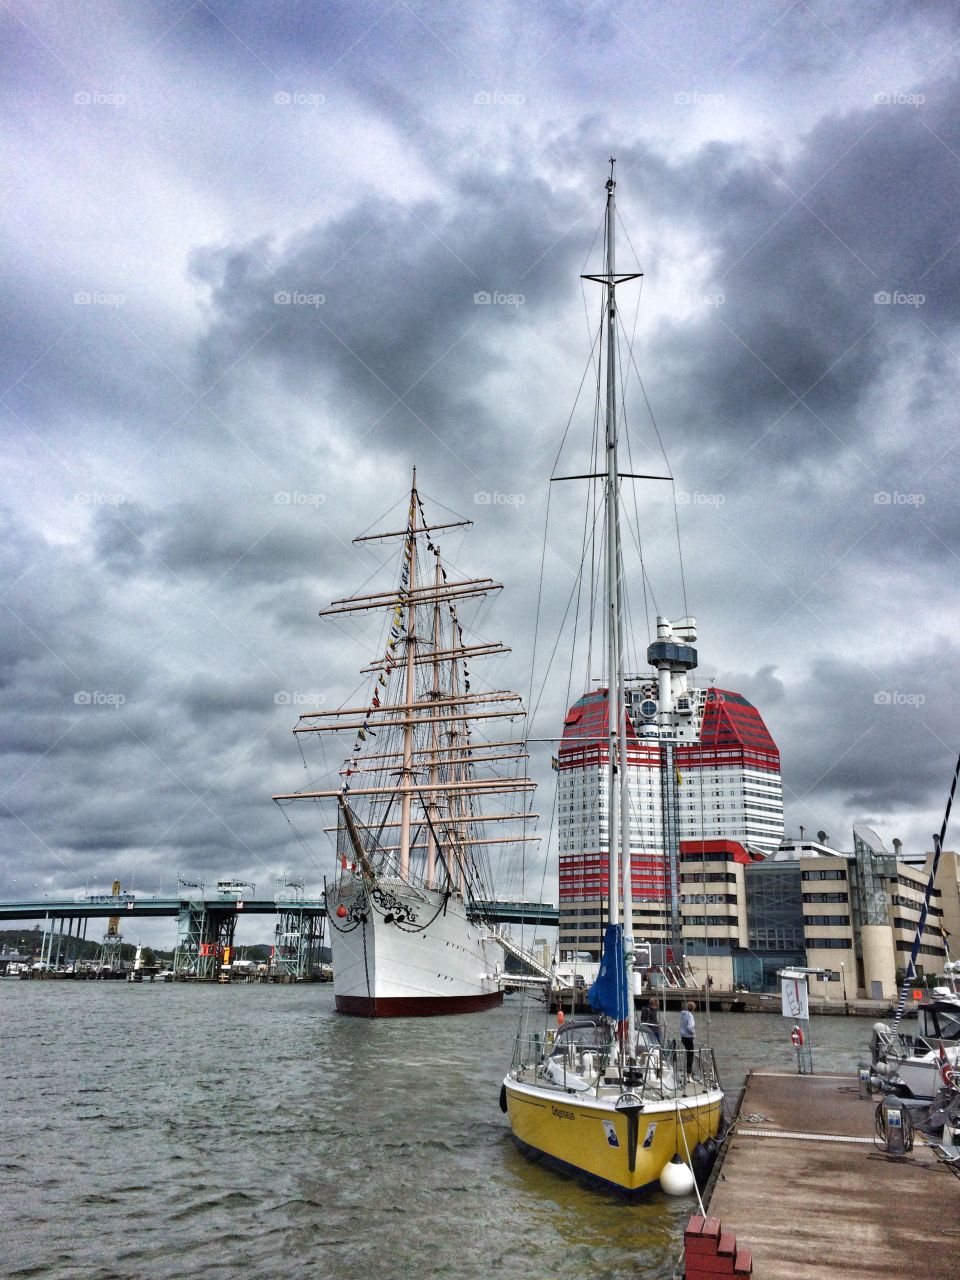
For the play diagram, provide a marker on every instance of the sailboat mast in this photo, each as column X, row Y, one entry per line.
column 618, row 814
column 612, row 575
column 406, row 782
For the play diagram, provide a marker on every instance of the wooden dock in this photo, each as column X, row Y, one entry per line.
column 806, row 1193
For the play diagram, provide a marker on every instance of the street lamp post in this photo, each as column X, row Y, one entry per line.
column 843, row 982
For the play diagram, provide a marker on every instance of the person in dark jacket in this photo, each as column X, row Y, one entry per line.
column 650, row 1017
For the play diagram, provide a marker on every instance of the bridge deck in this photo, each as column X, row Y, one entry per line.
column 104, row 906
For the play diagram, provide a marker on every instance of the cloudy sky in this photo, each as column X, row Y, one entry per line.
column 243, row 248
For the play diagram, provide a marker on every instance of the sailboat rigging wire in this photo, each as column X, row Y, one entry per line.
column 437, row 503
column 595, row 503
column 591, row 514
column 311, row 854
column 536, row 620
column 638, row 542
column 566, row 429
column 683, row 1129
column 556, row 644
column 673, row 483
column 386, row 815
column 576, row 612
column 634, row 531
column 376, row 520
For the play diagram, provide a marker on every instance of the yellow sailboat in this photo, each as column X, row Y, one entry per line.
column 623, row 1120
column 601, row 1095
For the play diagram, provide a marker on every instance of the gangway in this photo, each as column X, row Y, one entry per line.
column 542, row 974
column 674, row 977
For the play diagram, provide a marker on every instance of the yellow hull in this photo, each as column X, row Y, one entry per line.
column 592, row 1137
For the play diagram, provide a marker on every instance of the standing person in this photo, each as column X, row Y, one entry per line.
column 688, row 1030
column 650, row 1017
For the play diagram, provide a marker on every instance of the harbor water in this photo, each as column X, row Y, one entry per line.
column 188, row 1131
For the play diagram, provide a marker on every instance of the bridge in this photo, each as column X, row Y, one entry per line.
column 207, row 922
column 103, row 906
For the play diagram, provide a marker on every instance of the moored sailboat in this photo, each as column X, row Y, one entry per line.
column 920, row 1065
column 421, row 798
column 601, row 1095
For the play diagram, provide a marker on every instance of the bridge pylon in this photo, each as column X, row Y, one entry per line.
column 206, row 927
column 298, row 935
column 109, row 958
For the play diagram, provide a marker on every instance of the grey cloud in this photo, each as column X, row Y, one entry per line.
column 399, row 316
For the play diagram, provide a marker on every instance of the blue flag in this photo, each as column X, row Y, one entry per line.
column 610, row 994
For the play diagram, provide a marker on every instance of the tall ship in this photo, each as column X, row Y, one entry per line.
column 605, row 1095
column 432, row 784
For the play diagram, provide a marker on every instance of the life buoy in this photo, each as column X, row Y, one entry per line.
column 796, row 1038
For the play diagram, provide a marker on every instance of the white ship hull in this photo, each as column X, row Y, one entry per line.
column 401, row 951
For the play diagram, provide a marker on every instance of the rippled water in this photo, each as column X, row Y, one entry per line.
column 160, row 1130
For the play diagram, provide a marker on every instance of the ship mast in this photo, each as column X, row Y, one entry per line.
column 420, row 753
column 434, row 757
column 406, row 776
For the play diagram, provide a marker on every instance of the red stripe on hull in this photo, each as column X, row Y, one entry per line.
column 416, row 1006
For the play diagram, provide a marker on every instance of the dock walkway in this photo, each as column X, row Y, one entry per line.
column 805, row 1189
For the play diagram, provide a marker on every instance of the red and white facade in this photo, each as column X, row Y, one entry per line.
column 702, row 766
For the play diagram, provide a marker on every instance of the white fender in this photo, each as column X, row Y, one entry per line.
column 676, row 1178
